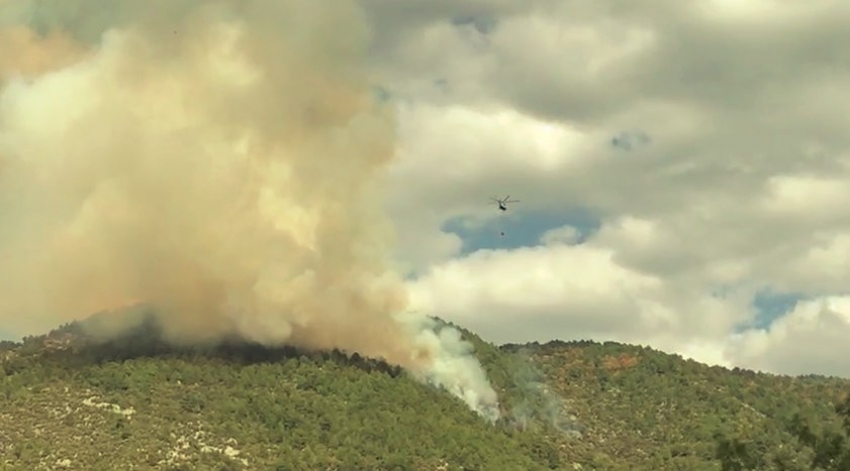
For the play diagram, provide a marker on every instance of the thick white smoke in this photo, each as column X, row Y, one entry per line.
column 453, row 366
column 220, row 160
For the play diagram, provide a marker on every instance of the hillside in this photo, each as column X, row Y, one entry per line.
column 137, row 403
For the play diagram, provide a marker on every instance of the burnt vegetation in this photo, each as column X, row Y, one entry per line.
column 68, row 396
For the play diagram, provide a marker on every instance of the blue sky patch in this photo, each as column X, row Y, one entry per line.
column 770, row 306
column 521, row 228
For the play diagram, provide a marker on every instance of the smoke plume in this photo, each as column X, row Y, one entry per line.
column 221, row 160
column 537, row 402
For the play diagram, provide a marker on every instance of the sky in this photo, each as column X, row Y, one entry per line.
column 682, row 171
column 681, row 167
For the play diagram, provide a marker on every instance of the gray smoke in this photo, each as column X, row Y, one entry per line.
column 538, row 403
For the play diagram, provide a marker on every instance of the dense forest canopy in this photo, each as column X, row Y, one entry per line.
column 239, row 405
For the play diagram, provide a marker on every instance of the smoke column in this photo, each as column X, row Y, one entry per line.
column 220, row 160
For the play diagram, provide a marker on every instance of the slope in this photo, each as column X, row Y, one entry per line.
column 640, row 408
column 137, row 403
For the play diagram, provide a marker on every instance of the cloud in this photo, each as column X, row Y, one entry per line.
column 812, row 337
column 518, row 227
column 571, row 291
column 568, row 235
column 630, row 140
column 442, row 174
column 739, row 190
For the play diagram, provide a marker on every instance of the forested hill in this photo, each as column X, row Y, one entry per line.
column 136, row 403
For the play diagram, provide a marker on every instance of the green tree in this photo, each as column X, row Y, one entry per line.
column 735, row 454
column 831, row 447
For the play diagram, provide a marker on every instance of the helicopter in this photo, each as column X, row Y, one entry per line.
column 503, row 202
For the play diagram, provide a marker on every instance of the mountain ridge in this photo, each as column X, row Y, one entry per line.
column 565, row 405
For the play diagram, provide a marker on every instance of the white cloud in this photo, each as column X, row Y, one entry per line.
column 568, row 235
column 814, row 198
column 742, row 185
column 563, row 291
column 813, row 337
column 453, row 158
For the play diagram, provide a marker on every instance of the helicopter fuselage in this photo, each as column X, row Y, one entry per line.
column 503, row 203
